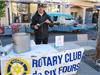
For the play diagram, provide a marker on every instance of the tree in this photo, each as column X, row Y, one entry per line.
column 98, row 40
column 2, row 8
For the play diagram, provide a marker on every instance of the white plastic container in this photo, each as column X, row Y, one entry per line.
column 21, row 42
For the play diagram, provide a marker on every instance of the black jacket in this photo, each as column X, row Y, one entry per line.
column 42, row 32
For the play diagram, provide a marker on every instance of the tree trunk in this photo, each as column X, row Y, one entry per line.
column 98, row 40
column 98, row 47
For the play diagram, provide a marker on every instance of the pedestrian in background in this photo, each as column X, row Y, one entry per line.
column 40, row 22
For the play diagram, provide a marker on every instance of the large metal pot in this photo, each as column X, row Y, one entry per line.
column 21, row 42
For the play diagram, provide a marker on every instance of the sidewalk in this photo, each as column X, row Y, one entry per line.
column 86, row 70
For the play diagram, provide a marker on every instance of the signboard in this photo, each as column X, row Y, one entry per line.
column 98, row 7
column 61, row 63
column 59, row 41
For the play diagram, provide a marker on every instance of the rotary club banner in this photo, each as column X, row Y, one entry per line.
column 60, row 63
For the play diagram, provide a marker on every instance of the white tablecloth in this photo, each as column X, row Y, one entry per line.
column 37, row 50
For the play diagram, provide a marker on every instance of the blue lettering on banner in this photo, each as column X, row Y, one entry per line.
column 52, row 61
column 69, row 57
column 51, row 72
column 44, row 60
column 69, row 68
column 34, row 62
column 36, row 73
column 40, row 63
column 47, row 61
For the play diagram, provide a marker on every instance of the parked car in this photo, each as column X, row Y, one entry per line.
column 67, row 22
column 64, row 19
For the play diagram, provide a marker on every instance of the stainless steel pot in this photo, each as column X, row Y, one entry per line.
column 21, row 42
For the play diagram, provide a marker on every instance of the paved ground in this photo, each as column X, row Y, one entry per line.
column 86, row 70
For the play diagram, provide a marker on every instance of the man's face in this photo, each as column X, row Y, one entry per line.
column 41, row 9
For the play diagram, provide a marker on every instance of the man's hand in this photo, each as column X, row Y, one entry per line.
column 36, row 27
column 47, row 21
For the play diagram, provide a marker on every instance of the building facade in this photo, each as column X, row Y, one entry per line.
column 21, row 11
column 84, row 9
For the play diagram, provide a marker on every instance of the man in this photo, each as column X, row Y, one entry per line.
column 40, row 22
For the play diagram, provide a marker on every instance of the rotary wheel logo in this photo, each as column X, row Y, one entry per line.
column 17, row 66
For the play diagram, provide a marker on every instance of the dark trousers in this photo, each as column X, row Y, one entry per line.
column 41, row 41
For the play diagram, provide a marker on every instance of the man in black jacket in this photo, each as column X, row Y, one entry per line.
column 40, row 22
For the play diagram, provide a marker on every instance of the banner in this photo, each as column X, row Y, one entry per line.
column 61, row 63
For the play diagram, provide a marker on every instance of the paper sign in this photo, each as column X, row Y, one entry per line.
column 82, row 37
column 59, row 41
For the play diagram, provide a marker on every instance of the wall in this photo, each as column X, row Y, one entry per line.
column 33, row 8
